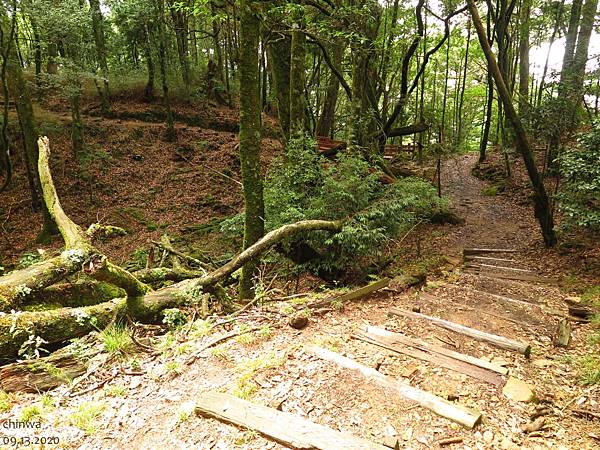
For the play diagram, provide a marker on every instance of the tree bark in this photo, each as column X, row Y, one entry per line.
column 20, row 94
column 327, row 117
column 170, row 134
column 543, row 210
column 297, row 81
column 279, row 49
column 250, row 125
column 100, row 41
column 524, row 58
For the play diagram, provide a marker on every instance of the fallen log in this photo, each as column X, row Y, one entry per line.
column 426, row 346
column 285, row 428
column 142, row 303
column 16, row 286
column 349, row 296
column 438, row 405
column 432, row 357
column 159, row 275
column 498, row 341
column 51, row 371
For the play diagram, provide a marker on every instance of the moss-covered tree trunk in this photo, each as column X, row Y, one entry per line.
column 524, row 57
column 543, row 211
column 297, row 80
column 149, row 88
column 327, row 117
column 76, row 123
column 162, row 62
column 250, row 125
column 100, row 41
column 20, row 94
column 279, row 52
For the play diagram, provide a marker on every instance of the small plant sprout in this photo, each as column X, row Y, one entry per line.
column 185, row 411
column 86, row 415
column 116, row 339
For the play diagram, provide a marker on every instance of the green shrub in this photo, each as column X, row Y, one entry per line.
column 304, row 186
column 579, row 197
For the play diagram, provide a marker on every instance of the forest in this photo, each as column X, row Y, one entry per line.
column 324, row 224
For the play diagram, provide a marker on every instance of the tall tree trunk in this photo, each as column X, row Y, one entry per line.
column 571, row 39
column 559, row 14
column 297, row 80
column 524, row 57
column 149, row 88
column 180, row 25
column 162, row 43
column 76, row 122
column 543, row 210
column 327, row 117
column 100, row 41
column 280, row 49
column 20, row 94
column 588, row 15
column 250, row 125
column 464, row 85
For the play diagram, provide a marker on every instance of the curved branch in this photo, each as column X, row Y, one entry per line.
column 330, row 64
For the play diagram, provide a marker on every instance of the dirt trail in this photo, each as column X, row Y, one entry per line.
column 272, row 369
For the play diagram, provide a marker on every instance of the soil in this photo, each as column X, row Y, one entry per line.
column 146, row 400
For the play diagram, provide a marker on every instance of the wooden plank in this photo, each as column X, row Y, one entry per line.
column 492, row 266
column 498, row 341
column 515, row 276
column 505, row 299
column 426, row 346
column 434, row 358
column 489, row 258
column 479, row 310
column 479, row 251
column 438, row 405
column 286, row 428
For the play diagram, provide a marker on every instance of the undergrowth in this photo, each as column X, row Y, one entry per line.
column 303, row 185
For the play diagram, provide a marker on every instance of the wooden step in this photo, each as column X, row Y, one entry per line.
column 498, row 341
column 438, row 405
column 391, row 343
column 288, row 429
column 480, row 251
column 418, row 343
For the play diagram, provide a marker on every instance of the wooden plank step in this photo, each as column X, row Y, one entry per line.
column 286, row 428
column 479, row 251
column 493, row 266
column 438, row 405
column 514, row 276
column 498, row 341
column 505, row 299
column 489, row 258
column 426, row 346
column 436, row 300
column 434, row 358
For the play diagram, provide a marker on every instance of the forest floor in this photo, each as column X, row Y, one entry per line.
column 146, row 400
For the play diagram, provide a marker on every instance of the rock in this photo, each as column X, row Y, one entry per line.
column 573, row 299
column 298, row 322
column 519, row 391
column 488, row 436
